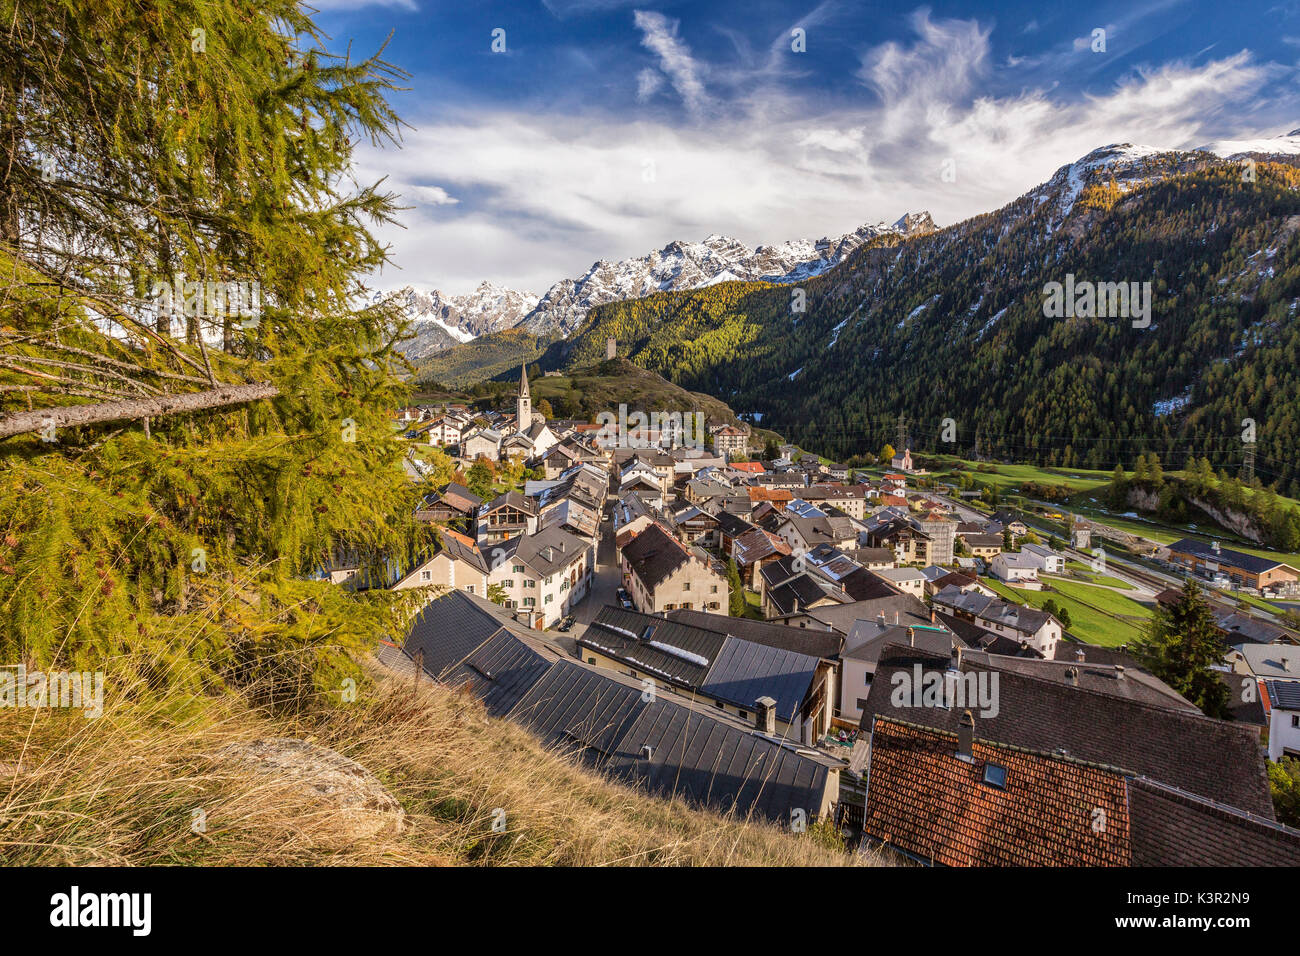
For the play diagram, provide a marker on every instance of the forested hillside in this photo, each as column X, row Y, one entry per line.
column 485, row 357
column 952, row 325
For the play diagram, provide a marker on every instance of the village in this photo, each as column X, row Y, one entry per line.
column 752, row 635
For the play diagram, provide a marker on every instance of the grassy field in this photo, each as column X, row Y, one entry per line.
column 1011, row 476
column 1092, row 577
column 1087, row 499
column 1088, row 621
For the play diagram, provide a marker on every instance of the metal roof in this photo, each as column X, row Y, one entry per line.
column 500, row 672
column 656, row 645
column 604, row 720
column 448, row 629
column 1284, row 694
column 718, row 765
column 745, row 671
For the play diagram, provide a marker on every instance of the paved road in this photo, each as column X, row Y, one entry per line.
column 605, row 582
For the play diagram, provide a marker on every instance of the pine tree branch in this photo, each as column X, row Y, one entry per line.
column 19, row 423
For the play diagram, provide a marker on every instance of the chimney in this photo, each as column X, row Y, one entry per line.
column 1072, row 676
column 1079, row 655
column 1286, row 663
column 965, row 736
column 1214, row 546
column 895, row 619
column 955, row 661
column 765, row 716
column 1119, row 671
column 911, row 637
column 933, row 618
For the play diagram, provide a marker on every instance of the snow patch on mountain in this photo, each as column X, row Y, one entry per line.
column 442, row 321
column 1288, row 144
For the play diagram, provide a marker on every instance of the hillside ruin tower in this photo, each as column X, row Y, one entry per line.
column 611, row 347
column 523, row 404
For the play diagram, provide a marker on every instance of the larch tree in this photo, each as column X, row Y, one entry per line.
column 195, row 381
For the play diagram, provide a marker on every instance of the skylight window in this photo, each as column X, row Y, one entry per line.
column 995, row 776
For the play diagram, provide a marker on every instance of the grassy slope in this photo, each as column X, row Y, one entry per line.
column 634, row 386
column 482, row 358
column 120, row 790
column 1089, row 485
column 1092, row 621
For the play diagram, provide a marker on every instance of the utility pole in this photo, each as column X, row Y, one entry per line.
column 902, row 433
column 1248, row 463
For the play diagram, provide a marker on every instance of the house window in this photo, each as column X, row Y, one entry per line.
column 530, row 602
column 686, row 586
column 591, row 660
column 469, row 588
column 1295, row 721
column 549, row 598
column 714, row 589
column 518, row 569
column 744, row 715
column 426, row 575
column 529, row 583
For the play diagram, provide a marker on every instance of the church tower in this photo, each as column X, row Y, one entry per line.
column 524, row 404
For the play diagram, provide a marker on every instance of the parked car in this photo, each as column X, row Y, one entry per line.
column 566, row 624
column 625, row 599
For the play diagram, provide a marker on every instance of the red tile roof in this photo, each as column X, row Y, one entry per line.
column 923, row 800
column 755, row 467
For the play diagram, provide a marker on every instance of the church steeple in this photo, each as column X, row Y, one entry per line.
column 524, row 404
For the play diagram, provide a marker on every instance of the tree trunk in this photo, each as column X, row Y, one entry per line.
column 19, row 423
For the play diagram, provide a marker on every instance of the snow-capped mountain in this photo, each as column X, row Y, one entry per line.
column 1287, row 144
column 692, row 265
column 442, row 321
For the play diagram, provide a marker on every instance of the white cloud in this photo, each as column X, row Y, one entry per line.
column 431, row 195
column 659, row 35
column 648, row 83
column 553, row 193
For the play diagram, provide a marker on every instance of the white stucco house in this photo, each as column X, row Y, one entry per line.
column 1018, row 570
column 1284, row 719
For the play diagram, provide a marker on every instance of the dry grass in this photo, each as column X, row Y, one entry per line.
column 121, row 789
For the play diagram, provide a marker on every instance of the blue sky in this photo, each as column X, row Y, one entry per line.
column 608, row 128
